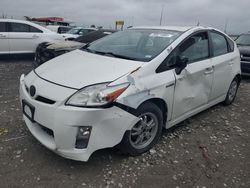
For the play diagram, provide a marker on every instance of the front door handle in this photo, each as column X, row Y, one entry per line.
column 209, row 70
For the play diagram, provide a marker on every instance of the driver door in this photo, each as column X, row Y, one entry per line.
column 194, row 83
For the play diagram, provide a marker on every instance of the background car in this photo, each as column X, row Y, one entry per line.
column 47, row 51
column 59, row 28
column 18, row 36
column 78, row 31
column 243, row 43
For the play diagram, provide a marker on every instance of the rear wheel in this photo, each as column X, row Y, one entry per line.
column 232, row 92
column 144, row 134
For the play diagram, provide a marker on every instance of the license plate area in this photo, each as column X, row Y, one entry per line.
column 28, row 110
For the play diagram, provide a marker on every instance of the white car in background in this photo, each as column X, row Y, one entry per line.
column 59, row 28
column 17, row 36
column 124, row 88
column 77, row 31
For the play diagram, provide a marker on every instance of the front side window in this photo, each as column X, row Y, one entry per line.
column 195, row 48
column 23, row 28
column 3, row 27
column 219, row 44
column 134, row 44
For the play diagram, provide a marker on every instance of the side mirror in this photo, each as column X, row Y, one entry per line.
column 181, row 63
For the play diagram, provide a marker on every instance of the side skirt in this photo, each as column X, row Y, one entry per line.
column 196, row 111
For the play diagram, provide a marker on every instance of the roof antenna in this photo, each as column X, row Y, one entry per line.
column 198, row 23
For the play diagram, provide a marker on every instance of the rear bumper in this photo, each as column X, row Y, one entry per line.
column 56, row 125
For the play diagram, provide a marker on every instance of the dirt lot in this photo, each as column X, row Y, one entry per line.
column 210, row 149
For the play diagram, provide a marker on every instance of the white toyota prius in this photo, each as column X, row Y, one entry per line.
column 123, row 89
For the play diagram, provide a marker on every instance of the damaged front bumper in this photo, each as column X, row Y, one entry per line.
column 56, row 126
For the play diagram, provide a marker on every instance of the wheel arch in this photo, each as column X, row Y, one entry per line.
column 161, row 104
column 238, row 76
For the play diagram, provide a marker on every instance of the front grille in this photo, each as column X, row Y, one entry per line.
column 47, row 130
column 45, row 100
column 245, row 57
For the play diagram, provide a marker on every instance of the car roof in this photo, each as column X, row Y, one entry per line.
column 172, row 28
column 175, row 28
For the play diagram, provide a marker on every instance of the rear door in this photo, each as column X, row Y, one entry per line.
column 4, row 38
column 23, row 38
column 222, row 62
column 194, row 84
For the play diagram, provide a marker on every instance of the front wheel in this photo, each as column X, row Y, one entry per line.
column 232, row 92
column 145, row 133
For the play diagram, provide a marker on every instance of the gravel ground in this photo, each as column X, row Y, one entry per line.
column 210, row 149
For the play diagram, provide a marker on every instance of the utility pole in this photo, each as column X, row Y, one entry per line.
column 162, row 8
column 225, row 27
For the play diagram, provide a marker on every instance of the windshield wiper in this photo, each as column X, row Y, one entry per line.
column 115, row 55
column 86, row 48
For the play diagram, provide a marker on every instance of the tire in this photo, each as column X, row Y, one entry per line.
column 148, row 112
column 232, row 92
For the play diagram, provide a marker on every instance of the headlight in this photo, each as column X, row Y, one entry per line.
column 96, row 95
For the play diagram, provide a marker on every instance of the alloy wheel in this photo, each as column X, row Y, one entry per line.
column 144, row 132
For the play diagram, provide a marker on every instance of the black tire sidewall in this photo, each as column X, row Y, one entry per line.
column 227, row 100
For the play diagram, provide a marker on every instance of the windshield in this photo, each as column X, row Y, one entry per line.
column 243, row 40
column 134, row 44
column 74, row 31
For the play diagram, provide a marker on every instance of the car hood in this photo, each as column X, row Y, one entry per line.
column 65, row 45
column 244, row 49
column 78, row 69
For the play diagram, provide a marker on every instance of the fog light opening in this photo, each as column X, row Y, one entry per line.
column 82, row 138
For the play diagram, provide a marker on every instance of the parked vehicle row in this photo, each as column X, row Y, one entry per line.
column 18, row 36
column 46, row 51
column 124, row 88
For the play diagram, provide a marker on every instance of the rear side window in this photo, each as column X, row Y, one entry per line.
column 219, row 44
column 3, row 27
column 34, row 30
column 23, row 28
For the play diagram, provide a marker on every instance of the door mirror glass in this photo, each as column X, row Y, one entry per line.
column 181, row 63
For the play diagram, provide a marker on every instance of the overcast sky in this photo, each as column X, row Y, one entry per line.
column 215, row 13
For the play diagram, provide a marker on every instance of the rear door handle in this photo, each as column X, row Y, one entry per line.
column 231, row 62
column 209, row 70
column 35, row 36
column 3, row 36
